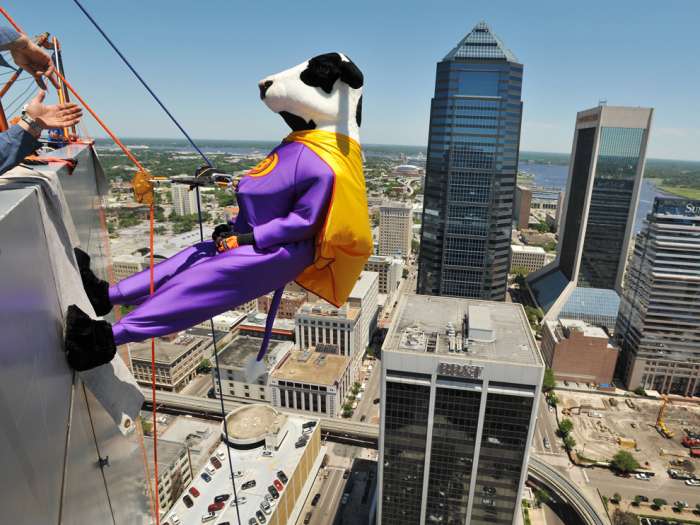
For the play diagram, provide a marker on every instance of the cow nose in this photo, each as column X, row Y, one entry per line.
column 264, row 86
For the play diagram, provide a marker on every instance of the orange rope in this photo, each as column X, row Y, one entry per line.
column 138, row 164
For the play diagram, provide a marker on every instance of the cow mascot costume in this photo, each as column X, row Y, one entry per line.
column 303, row 217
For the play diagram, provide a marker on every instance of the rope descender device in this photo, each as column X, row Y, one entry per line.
column 208, row 176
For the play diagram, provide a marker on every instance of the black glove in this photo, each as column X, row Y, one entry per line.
column 221, row 232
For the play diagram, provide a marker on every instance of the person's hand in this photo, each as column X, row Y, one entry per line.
column 34, row 61
column 55, row 116
column 220, row 232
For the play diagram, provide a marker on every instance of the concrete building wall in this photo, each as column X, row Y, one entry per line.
column 521, row 209
column 184, row 200
column 395, row 230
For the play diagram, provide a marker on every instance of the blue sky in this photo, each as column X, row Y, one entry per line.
column 204, row 58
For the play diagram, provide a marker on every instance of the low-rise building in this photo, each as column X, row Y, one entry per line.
column 177, row 359
column 174, row 470
column 530, row 258
column 314, row 382
column 233, row 359
column 339, row 329
column 293, row 458
column 254, row 326
column 289, row 304
column 364, row 296
column 578, row 351
column 127, row 265
column 389, row 270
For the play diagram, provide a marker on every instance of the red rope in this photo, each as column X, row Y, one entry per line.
column 138, row 164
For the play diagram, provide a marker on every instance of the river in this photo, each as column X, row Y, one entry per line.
column 555, row 175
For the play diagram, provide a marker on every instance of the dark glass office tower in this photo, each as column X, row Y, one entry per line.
column 602, row 195
column 471, row 169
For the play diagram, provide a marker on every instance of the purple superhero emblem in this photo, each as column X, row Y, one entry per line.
column 282, row 206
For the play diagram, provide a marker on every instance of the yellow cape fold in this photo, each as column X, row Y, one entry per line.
column 345, row 242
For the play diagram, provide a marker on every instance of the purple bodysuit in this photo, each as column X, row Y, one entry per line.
column 284, row 209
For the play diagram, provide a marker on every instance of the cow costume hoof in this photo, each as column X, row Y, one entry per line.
column 88, row 343
column 96, row 289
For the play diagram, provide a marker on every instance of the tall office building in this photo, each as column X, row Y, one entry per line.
column 184, row 199
column 395, row 229
column 602, row 194
column 471, row 169
column 460, row 387
column 659, row 322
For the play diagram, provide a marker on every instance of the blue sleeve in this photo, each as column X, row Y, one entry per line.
column 15, row 144
column 7, row 36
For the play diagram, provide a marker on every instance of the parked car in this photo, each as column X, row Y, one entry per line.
column 300, row 443
column 236, row 474
column 175, row 519
column 345, row 499
column 545, row 441
column 307, row 518
column 273, row 492
column 221, row 456
column 215, row 461
column 193, row 490
column 315, row 499
column 642, row 498
column 210, row 470
column 221, row 497
column 214, row 507
column 187, row 501
column 240, row 500
column 206, row 477
column 266, row 453
column 692, row 482
column 375, row 401
column 346, row 474
column 261, row 517
column 252, row 521
column 362, row 418
column 680, row 503
column 208, row 517
column 278, row 485
column 248, row 485
column 265, row 507
column 642, row 476
column 282, row 476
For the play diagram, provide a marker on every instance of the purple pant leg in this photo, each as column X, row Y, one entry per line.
column 212, row 286
column 136, row 288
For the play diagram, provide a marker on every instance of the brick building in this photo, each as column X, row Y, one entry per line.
column 577, row 351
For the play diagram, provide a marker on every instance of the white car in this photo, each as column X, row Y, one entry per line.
column 210, row 470
column 240, row 500
column 642, row 476
column 692, row 482
column 266, row 453
column 221, row 455
column 175, row 519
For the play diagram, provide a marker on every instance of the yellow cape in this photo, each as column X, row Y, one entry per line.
column 345, row 242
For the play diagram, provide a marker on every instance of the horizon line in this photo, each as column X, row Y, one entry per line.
column 196, row 139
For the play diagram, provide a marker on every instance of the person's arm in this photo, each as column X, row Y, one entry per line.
column 28, row 56
column 21, row 140
column 306, row 218
column 15, row 144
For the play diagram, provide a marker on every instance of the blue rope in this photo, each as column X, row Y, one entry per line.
column 148, row 88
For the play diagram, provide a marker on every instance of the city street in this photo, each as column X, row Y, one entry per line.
column 546, row 427
column 365, row 406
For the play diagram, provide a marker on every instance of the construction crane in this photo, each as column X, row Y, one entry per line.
column 660, row 424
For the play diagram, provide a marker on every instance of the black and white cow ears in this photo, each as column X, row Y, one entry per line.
column 351, row 74
column 323, row 70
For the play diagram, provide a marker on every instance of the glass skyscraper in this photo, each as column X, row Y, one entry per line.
column 471, row 169
column 597, row 221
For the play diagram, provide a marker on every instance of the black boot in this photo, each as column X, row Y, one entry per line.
column 96, row 289
column 88, row 343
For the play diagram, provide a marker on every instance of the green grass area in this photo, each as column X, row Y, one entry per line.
column 676, row 519
column 682, row 191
